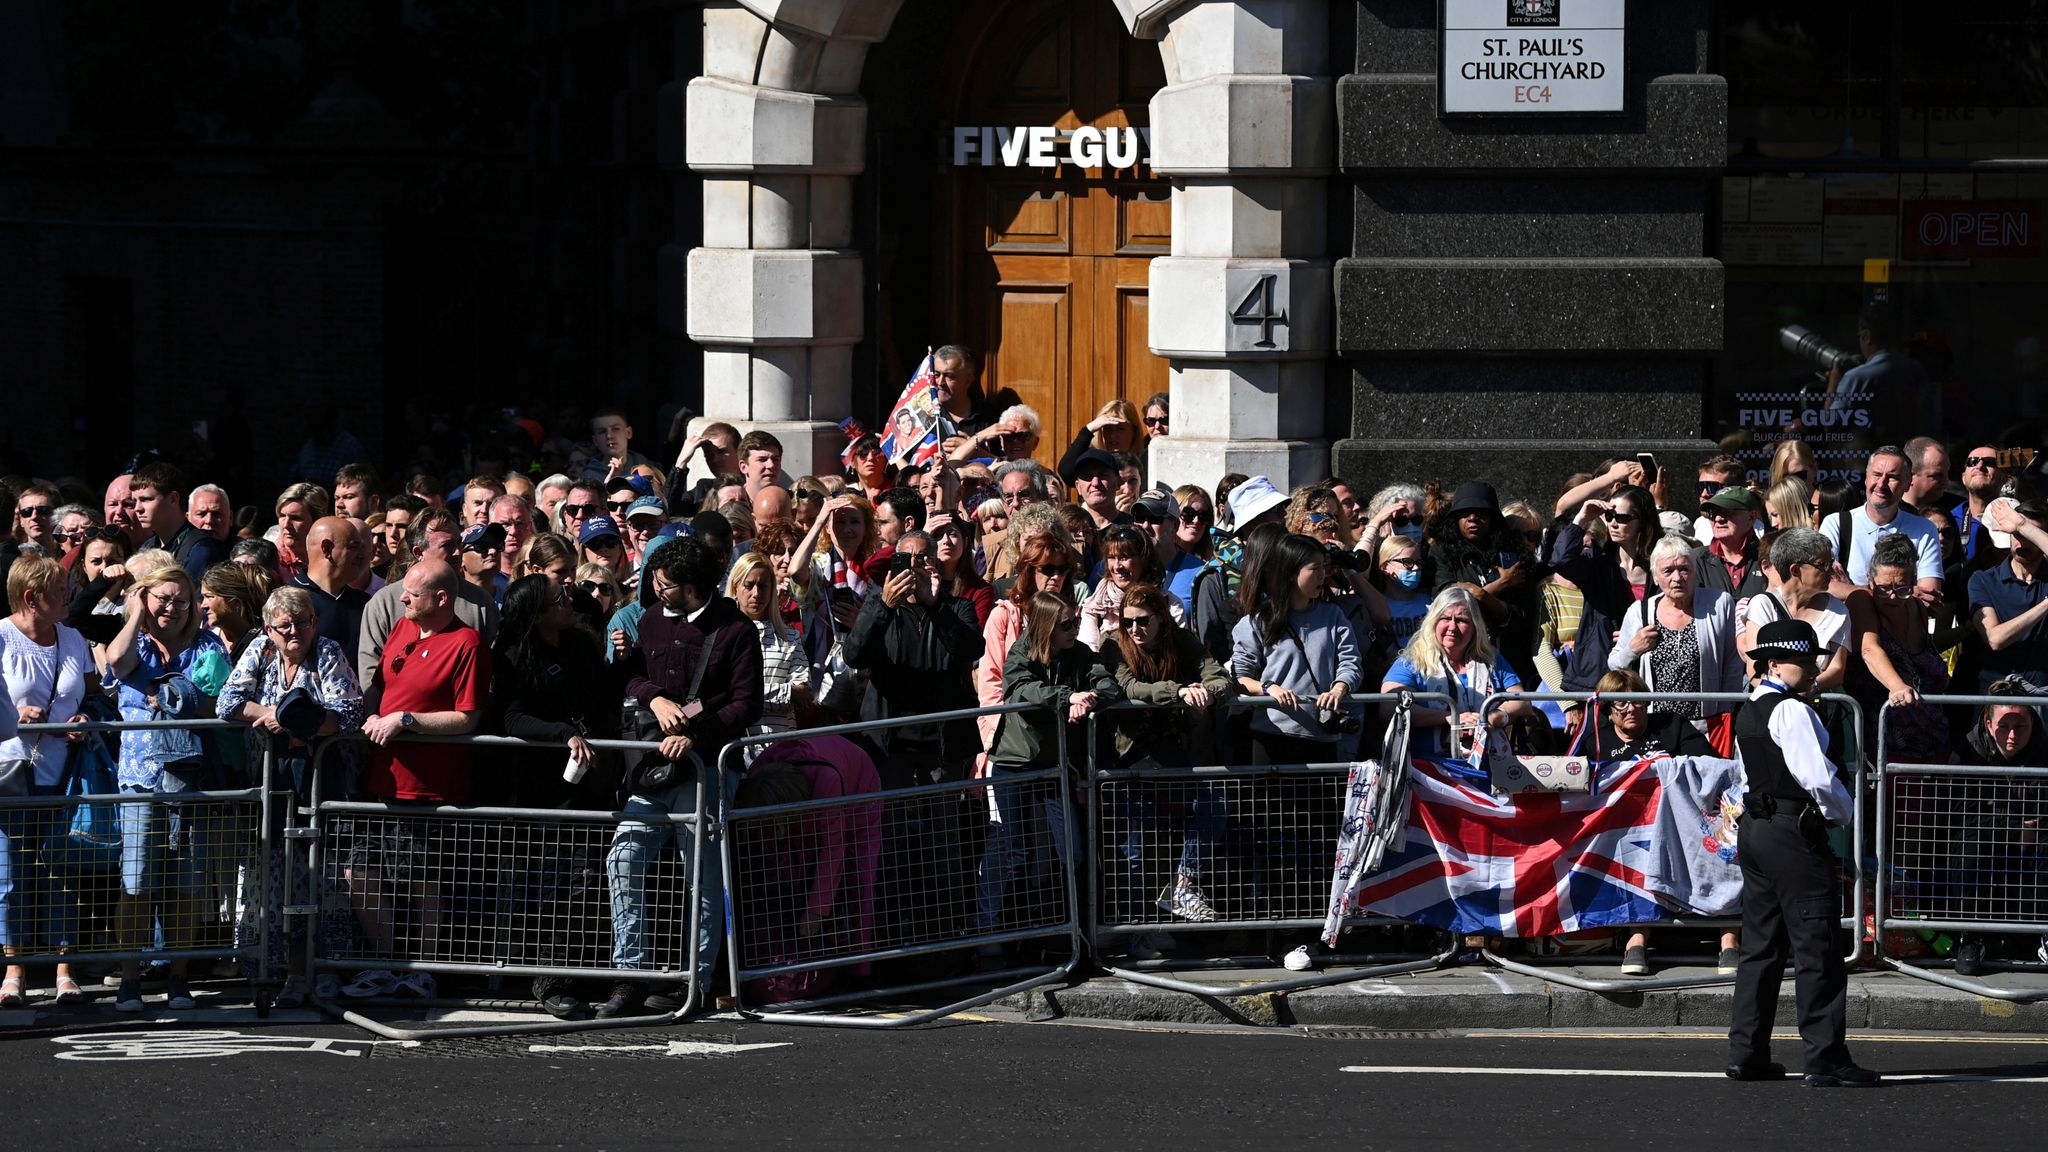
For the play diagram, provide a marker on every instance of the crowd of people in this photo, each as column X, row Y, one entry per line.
column 572, row 590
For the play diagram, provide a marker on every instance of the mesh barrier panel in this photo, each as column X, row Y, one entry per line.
column 522, row 893
column 124, row 874
column 1177, row 849
column 1968, row 848
column 876, row 873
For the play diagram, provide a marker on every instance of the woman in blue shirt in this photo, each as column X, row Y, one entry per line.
column 168, row 668
column 1452, row 654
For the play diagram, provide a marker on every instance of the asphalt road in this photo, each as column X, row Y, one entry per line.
column 200, row 1080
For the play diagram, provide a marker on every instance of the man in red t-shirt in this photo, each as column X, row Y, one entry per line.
column 433, row 680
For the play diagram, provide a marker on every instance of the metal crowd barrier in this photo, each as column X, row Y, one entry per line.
column 93, row 877
column 892, row 879
column 521, row 892
column 1258, row 839
column 1956, row 852
column 1852, row 922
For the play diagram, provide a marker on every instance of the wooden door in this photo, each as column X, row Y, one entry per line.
column 1052, row 264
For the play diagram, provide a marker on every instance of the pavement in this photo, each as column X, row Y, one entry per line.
column 1480, row 996
column 212, row 1079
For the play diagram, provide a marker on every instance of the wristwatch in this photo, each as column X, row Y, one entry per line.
column 407, row 720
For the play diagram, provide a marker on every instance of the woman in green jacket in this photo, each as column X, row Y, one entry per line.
column 1047, row 666
column 1158, row 662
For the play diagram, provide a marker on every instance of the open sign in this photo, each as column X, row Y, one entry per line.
column 1968, row 229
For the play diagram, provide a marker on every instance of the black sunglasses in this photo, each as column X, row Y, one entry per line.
column 1156, row 421
column 620, row 506
column 1619, row 517
column 1402, row 520
column 1193, row 514
column 582, row 509
column 595, row 587
column 1981, row 462
column 33, row 511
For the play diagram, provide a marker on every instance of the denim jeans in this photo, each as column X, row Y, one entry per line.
column 1142, row 811
column 1028, row 816
column 635, row 848
column 24, row 885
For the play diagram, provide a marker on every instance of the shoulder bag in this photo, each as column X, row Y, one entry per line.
column 655, row 773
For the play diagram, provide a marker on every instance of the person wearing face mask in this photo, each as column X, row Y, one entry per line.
column 1400, row 567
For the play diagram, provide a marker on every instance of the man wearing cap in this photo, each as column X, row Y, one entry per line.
column 1096, row 475
column 1728, row 560
column 482, row 547
column 603, row 543
column 1157, row 515
column 1790, row 897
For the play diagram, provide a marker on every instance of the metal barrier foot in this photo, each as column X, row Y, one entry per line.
column 690, row 1010
column 1586, row 984
column 1037, row 979
column 1965, row 984
column 1291, row 984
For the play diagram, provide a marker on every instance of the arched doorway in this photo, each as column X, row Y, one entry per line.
column 1050, row 265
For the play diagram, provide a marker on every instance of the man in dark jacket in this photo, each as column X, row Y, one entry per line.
column 917, row 643
column 697, row 669
column 1729, row 560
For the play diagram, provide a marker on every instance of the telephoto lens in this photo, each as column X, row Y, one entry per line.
column 1807, row 344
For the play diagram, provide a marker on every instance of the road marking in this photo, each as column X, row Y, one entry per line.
column 672, row 1048
column 1722, row 1034
column 204, row 1045
column 1499, row 980
column 1659, row 1074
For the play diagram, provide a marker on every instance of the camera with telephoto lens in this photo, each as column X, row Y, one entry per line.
column 1811, row 346
column 1338, row 720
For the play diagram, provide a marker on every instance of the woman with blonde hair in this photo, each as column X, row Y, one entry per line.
column 1115, row 428
column 785, row 669
column 1794, row 458
column 1451, row 654
column 1789, row 504
column 297, row 507
column 233, row 595
column 169, row 668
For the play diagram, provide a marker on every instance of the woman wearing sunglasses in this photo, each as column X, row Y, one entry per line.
column 1047, row 562
column 1047, row 666
column 1603, row 550
column 1156, row 661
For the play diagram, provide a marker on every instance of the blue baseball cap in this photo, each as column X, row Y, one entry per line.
column 597, row 528
column 675, row 530
column 647, row 506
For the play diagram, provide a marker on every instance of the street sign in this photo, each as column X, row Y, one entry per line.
column 1542, row 57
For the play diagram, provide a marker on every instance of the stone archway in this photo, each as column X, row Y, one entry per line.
column 1240, row 309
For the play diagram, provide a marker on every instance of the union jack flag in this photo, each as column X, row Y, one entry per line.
column 1531, row 864
column 912, row 437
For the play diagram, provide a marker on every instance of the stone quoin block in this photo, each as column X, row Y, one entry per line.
column 759, row 296
column 1225, row 125
column 1203, row 309
column 737, row 127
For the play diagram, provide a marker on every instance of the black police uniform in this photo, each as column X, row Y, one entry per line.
column 1790, row 904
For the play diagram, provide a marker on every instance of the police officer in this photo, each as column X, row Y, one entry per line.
column 1790, row 897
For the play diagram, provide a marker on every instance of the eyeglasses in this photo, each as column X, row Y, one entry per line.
column 172, row 602
column 1406, row 564
column 1981, row 462
column 1070, row 624
column 1618, row 517
column 581, row 510
column 1194, row 514
column 1892, row 591
column 1018, row 499
column 1144, row 621
column 1318, row 519
column 870, row 450
column 1155, row 421
column 33, row 511
column 1629, row 705
column 291, row 627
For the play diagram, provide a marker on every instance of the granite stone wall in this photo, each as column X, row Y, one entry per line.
column 1524, row 296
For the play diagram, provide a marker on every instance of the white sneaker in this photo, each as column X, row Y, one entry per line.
column 416, row 986
column 2042, row 951
column 1307, row 958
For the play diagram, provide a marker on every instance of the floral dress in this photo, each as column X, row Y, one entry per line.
column 1675, row 662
